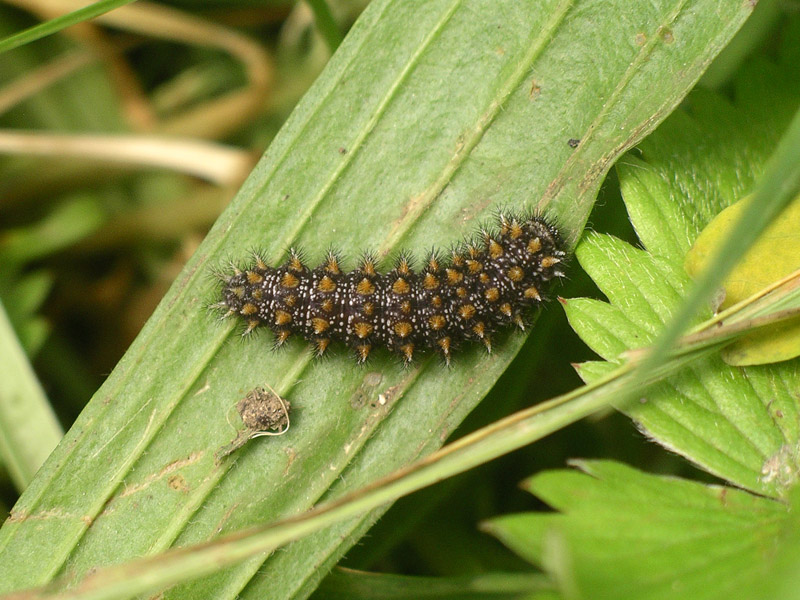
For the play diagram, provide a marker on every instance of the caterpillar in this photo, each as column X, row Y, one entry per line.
column 483, row 286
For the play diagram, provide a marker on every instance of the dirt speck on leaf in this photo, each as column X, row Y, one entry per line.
column 263, row 413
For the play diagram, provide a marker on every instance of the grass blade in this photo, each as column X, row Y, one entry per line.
column 54, row 25
column 28, row 428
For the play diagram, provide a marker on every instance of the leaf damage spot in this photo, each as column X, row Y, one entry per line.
column 291, row 453
column 666, row 35
column 20, row 516
column 386, row 398
column 178, row 483
column 535, row 91
column 225, row 518
column 366, row 390
column 781, row 467
column 373, row 378
column 166, row 471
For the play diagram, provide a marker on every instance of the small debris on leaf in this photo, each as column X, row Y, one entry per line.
column 263, row 413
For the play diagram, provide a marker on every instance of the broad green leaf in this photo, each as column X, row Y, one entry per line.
column 776, row 188
column 429, row 116
column 620, row 533
column 775, row 255
column 710, row 413
column 738, row 424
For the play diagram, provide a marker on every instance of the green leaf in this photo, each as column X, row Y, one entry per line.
column 738, row 424
column 710, row 413
column 620, row 533
column 346, row 584
column 429, row 116
column 23, row 298
column 28, row 428
column 326, row 24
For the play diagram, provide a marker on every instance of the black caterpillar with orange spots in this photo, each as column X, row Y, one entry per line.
column 482, row 287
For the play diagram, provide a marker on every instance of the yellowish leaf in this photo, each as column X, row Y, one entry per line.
column 775, row 255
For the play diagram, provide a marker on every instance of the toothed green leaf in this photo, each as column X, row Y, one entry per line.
column 621, row 533
column 739, row 424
